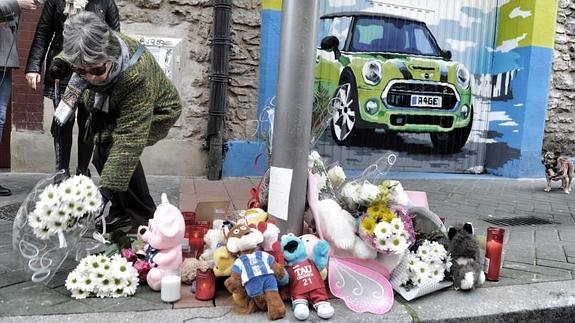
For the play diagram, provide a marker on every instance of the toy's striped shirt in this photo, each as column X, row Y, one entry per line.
column 253, row 265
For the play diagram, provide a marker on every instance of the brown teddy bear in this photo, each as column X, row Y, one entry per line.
column 253, row 281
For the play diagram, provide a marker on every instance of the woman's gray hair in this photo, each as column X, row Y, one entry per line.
column 89, row 41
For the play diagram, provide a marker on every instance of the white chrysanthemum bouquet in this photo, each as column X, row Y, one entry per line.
column 61, row 206
column 101, row 276
column 427, row 265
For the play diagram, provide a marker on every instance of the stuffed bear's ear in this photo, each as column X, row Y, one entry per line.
column 468, row 227
column 451, row 233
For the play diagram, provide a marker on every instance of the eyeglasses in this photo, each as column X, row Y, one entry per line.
column 95, row 71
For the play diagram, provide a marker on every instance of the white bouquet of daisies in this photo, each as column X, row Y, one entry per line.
column 102, row 276
column 61, row 206
column 52, row 222
column 422, row 271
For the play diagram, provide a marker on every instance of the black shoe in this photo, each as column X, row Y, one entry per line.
column 4, row 191
column 85, row 172
column 61, row 176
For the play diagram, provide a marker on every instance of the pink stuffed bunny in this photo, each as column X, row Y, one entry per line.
column 163, row 237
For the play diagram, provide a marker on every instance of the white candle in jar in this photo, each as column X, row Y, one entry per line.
column 170, row 290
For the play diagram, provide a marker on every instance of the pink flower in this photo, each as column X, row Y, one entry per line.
column 143, row 267
column 129, row 254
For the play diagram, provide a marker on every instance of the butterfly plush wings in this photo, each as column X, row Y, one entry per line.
column 362, row 284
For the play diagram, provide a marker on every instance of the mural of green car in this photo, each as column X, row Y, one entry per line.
column 388, row 73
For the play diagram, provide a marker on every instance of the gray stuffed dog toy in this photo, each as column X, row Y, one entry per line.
column 467, row 269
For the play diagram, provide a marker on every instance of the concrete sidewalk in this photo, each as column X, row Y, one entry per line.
column 536, row 281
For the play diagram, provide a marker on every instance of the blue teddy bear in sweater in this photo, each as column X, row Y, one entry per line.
column 306, row 284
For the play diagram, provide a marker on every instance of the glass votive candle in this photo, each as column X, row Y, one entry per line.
column 205, row 285
column 494, row 252
column 196, row 240
column 171, row 286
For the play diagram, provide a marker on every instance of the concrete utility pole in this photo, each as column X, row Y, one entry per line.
column 292, row 119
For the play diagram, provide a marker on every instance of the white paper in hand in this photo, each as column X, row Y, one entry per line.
column 63, row 113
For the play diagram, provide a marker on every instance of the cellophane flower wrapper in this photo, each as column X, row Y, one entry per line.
column 316, row 165
column 428, row 287
column 41, row 250
column 265, row 125
column 429, row 226
column 336, row 175
column 356, row 194
column 321, row 115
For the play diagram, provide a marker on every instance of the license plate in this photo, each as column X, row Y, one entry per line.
column 426, row 101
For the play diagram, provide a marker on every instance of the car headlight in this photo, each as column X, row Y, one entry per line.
column 372, row 72
column 463, row 76
column 464, row 112
column 371, row 107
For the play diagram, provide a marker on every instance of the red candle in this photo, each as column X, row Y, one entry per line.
column 196, row 239
column 493, row 253
column 205, row 285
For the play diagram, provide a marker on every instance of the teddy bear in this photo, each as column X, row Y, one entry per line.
column 466, row 269
column 223, row 262
column 189, row 268
column 214, row 239
column 338, row 227
column 253, row 281
column 163, row 236
column 271, row 243
column 253, row 215
column 309, row 242
column 306, row 284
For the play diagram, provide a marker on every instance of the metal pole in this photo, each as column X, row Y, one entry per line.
column 219, row 79
column 292, row 119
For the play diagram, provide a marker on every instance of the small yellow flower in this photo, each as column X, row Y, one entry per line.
column 374, row 211
column 386, row 215
column 368, row 224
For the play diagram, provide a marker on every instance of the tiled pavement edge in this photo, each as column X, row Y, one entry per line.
column 537, row 273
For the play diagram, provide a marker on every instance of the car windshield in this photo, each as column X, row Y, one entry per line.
column 395, row 35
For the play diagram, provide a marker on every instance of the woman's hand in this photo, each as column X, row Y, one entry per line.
column 33, row 79
column 59, row 69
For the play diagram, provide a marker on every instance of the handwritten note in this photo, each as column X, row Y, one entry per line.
column 279, row 190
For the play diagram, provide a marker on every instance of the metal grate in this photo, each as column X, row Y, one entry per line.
column 8, row 212
column 519, row 220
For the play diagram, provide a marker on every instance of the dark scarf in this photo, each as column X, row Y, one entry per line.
column 101, row 99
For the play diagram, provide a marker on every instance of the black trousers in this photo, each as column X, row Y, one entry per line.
column 63, row 142
column 136, row 203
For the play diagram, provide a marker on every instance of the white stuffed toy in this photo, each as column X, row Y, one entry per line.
column 214, row 239
column 338, row 227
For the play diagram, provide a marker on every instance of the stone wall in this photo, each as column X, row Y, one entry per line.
column 193, row 20
column 560, row 121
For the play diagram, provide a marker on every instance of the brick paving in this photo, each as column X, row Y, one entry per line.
column 533, row 253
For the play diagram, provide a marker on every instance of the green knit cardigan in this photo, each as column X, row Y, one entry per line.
column 148, row 105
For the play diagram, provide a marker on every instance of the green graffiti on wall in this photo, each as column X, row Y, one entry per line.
column 527, row 23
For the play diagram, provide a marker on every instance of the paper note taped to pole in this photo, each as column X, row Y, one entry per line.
column 279, row 190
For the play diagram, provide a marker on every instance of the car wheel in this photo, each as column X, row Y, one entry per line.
column 345, row 112
column 451, row 142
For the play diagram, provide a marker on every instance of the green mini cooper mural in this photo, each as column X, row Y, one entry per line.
column 388, row 74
